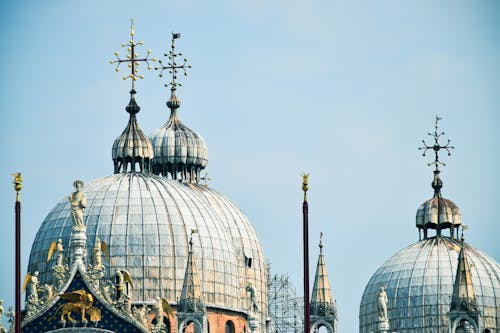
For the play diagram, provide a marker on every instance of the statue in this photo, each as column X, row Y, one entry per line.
column 58, row 248
column 78, row 301
column 140, row 315
column 157, row 310
column 31, row 286
column 382, row 304
column 1, row 311
column 100, row 247
column 253, row 302
column 47, row 293
column 78, row 204
column 12, row 318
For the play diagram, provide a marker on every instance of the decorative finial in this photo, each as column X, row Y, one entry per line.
column 320, row 242
column 436, row 147
column 206, row 179
column 464, row 228
column 193, row 231
column 132, row 58
column 18, row 185
column 305, row 185
column 173, row 69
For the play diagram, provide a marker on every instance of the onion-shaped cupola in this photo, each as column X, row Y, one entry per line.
column 132, row 147
column 438, row 213
column 179, row 152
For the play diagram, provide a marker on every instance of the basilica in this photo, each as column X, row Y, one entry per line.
column 153, row 248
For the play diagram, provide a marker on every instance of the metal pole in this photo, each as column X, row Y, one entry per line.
column 17, row 187
column 305, row 213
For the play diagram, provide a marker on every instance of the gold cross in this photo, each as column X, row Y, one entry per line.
column 132, row 57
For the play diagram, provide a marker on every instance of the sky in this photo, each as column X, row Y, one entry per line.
column 343, row 90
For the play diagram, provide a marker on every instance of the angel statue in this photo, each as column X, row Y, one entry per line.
column 58, row 248
column 31, row 286
column 253, row 302
column 160, row 308
column 122, row 283
column 78, row 204
column 100, row 247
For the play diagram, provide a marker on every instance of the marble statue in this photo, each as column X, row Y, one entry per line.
column 382, row 304
column 32, row 286
column 157, row 310
column 140, row 315
column 78, row 204
column 253, row 302
column 12, row 318
column 59, row 252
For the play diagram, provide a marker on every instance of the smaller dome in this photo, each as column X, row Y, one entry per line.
column 438, row 211
column 178, row 151
column 132, row 146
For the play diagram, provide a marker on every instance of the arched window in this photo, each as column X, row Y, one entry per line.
column 229, row 327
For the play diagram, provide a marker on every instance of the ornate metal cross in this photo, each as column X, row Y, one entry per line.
column 436, row 147
column 132, row 57
column 172, row 66
column 206, row 178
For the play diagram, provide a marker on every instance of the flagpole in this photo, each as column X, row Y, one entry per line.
column 17, row 187
column 305, row 213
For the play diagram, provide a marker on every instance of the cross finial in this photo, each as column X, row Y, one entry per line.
column 437, row 146
column 132, row 59
column 172, row 65
column 321, row 242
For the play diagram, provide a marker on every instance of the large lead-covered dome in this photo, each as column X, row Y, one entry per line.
column 419, row 283
column 146, row 221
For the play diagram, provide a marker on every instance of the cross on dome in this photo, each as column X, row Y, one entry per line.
column 132, row 59
column 172, row 66
column 436, row 147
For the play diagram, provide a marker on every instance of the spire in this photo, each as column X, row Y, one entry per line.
column 178, row 151
column 463, row 297
column 323, row 306
column 132, row 146
column 321, row 297
column 437, row 213
column 191, row 295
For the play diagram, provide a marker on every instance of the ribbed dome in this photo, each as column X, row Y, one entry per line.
column 438, row 211
column 419, row 284
column 177, row 148
column 146, row 221
column 132, row 146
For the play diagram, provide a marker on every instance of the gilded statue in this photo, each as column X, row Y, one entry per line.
column 78, row 204
column 79, row 301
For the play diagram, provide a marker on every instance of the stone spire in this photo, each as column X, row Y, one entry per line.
column 191, row 296
column 191, row 308
column 464, row 314
column 323, row 307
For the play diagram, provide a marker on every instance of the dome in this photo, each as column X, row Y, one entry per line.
column 177, row 148
column 438, row 210
column 146, row 221
column 132, row 146
column 419, row 283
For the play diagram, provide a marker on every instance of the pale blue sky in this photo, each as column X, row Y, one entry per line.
column 345, row 90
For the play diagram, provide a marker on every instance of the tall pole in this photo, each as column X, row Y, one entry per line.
column 305, row 213
column 17, row 187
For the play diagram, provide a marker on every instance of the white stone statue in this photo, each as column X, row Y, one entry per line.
column 59, row 252
column 253, row 302
column 32, row 286
column 382, row 304
column 157, row 310
column 78, row 204
column 140, row 315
